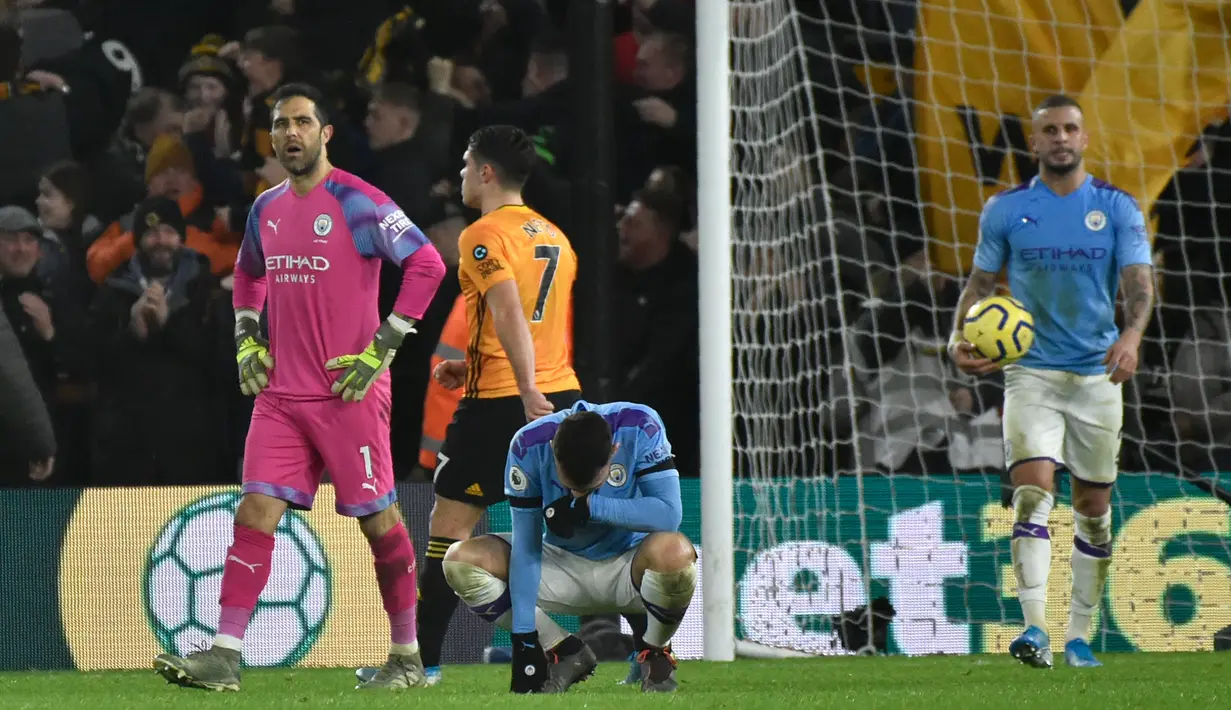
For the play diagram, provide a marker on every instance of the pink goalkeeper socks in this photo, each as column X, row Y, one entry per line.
column 395, row 573
column 244, row 576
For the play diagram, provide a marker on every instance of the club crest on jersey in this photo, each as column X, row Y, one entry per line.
column 324, row 223
column 480, row 253
column 1095, row 220
column 517, row 479
column 617, row 475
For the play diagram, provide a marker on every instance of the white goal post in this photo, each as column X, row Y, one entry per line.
column 714, row 263
column 845, row 150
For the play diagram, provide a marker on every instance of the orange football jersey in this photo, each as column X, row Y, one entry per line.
column 515, row 243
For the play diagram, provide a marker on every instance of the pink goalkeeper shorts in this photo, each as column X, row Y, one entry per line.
column 291, row 443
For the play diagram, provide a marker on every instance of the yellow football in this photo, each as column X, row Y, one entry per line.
column 1000, row 328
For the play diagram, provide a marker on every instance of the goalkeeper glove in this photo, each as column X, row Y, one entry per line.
column 363, row 369
column 529, row 663
column 566, row 514
column 252, row 354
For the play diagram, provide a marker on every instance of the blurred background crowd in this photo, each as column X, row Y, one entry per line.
column 118, row 113
column 134, row 136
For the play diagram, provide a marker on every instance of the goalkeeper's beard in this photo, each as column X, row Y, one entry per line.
column 309, row 164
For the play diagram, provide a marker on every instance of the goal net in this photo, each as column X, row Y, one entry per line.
column 867, row 135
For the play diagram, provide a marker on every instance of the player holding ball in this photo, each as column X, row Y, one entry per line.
column 1068, row 241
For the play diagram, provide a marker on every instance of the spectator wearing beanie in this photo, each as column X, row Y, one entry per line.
column 170, row 172
column 209, row 84
column 206, row 79
column 157, row 321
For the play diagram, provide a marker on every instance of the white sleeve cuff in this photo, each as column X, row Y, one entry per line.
column 247, row 313
column 400, row 325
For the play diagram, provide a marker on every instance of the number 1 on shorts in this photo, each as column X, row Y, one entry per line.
column 366, row 452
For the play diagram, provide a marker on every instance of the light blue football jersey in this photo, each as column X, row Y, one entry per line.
column 644, row 457
column 1064, row 256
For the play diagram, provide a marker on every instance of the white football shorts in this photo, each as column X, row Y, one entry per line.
column 576, row 586
column 1074, row 420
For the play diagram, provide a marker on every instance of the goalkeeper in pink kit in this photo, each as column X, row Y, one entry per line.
column 313, row 246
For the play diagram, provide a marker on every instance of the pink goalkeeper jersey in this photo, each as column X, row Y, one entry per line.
column 317, row 258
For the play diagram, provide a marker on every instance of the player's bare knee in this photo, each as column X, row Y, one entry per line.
column 472, row 566
column 485, row 552
column 260, row 512
column 1091, row 501
column 668, row 552
column 465, row 551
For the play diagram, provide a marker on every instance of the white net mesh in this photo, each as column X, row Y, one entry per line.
column 867, row 135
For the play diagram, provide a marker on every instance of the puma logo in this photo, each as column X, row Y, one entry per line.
column 371, row 486
column 251, row 567
column 272, row 224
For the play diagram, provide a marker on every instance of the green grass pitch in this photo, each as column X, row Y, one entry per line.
column 1167, row 681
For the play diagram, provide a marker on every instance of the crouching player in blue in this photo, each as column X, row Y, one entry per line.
column 603, row 479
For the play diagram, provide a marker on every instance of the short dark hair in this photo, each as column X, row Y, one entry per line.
column 278, row 43
column 507, row 149
column 666, row 206
column 146, row 105
column 1058, row 101
column 397, row 93
column 582, row 447
column 72, row 179
column 303, row 91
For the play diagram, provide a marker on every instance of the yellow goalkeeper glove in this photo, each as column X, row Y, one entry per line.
column 363, row 369
column 252, row 353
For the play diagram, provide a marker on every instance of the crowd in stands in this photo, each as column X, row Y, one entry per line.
column 119, row 114
column 134, row 136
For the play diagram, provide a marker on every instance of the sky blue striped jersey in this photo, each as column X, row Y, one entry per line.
column 640, row 495
column 531, row 471
column 1064, row 256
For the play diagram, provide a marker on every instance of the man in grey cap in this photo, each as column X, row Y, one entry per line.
column 21, row 291
column 25, row 425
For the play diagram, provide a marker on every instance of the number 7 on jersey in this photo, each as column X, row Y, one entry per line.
column 551, row 254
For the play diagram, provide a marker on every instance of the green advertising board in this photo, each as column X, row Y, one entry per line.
column 107, row 578
column 938, row 549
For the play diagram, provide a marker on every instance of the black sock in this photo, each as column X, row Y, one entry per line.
column 570, row 645
column 437, row 601
column 638, row 622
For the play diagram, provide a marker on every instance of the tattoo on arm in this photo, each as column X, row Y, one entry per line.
column 981, row 283
column 1138, row 284
column 979, row 286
